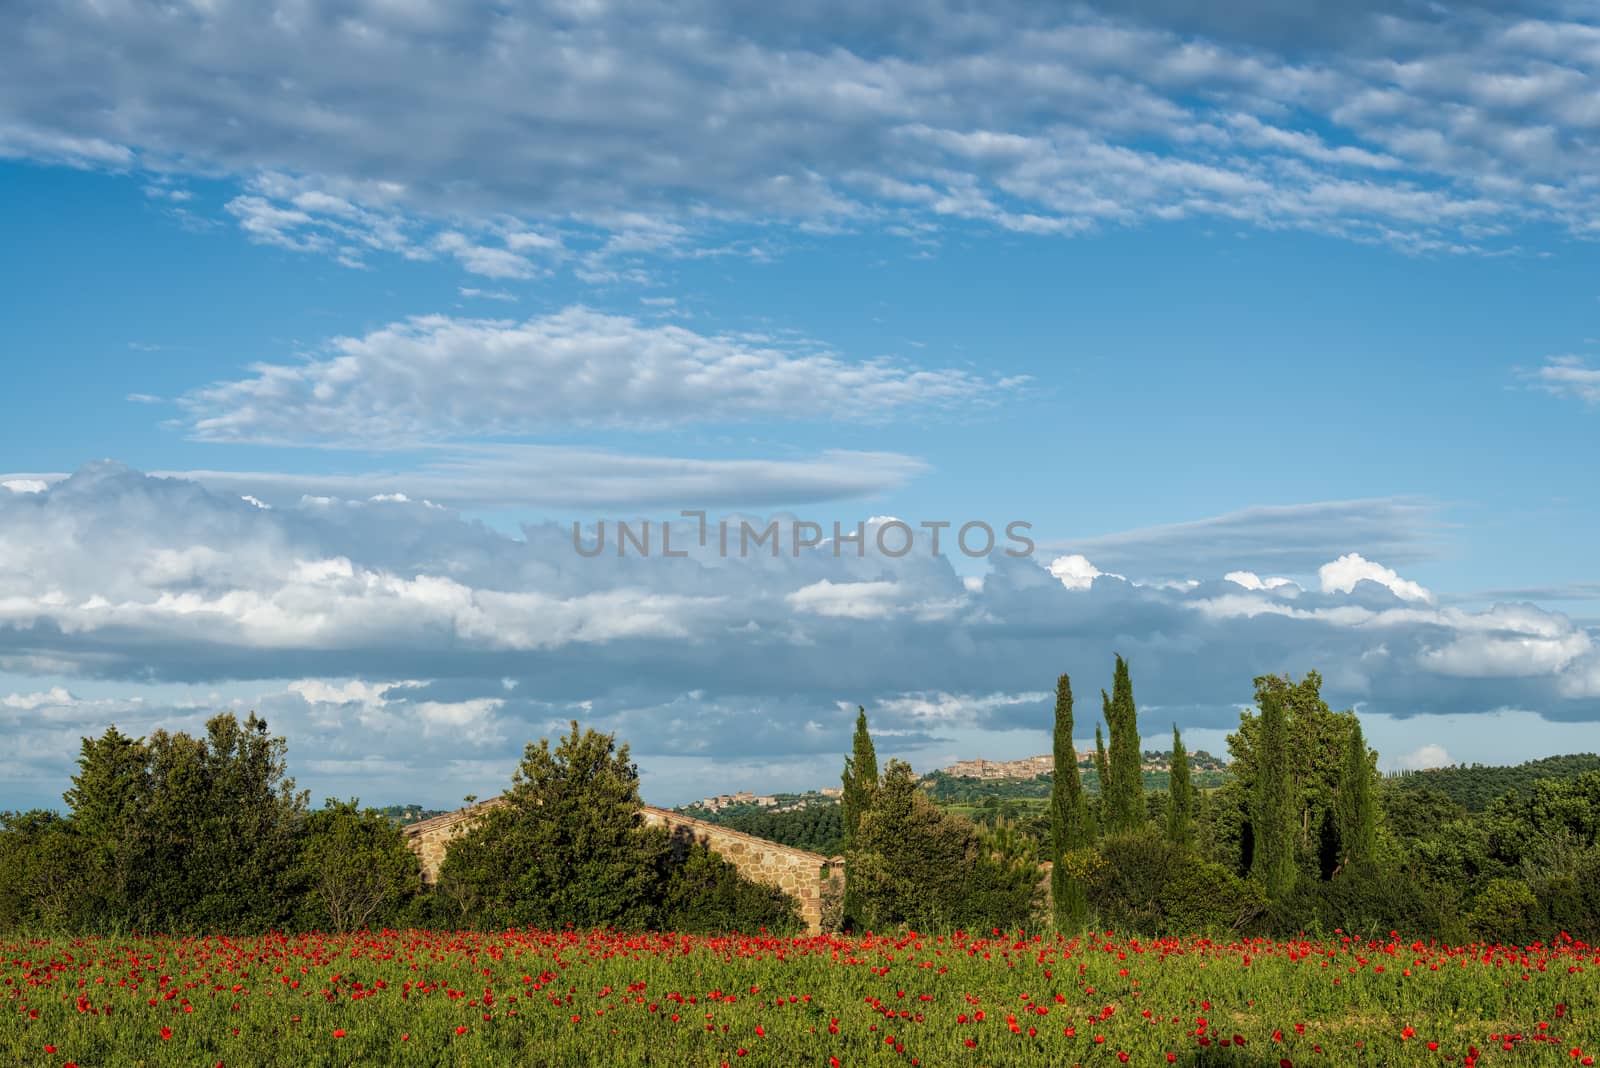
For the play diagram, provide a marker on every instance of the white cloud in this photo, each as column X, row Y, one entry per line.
column 1075, row 572
column 948, row 710
column 1252, row 581
column 1296, row 538
column 1426, row 127
column 487, row 294
column 1341, row 576
column 521, row 476
column 483, row 259
column 849, row 600
column 25, row 485
column 408, row 622
column 1426, row 756
column 1569, row 376
column 434, row 377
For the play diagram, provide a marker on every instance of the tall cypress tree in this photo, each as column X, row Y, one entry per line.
column 1101, row 768
column 1180, row 813
column 1069, row 820
column 1126, row 789
column 1272, row 817
column 860, row 781
column 1357, row 819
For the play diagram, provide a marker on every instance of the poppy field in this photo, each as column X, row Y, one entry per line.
column 581, row 998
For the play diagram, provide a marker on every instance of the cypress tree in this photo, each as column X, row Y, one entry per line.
column 1125, row 791
column 1100, row 766
column 860, row 782
column 1180, row 813
column 1272, row 817
column 1069, row 820
column 1357, row 820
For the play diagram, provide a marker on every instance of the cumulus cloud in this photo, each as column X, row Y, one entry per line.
column 1433, row 128
column 25, row 485
column 114, row 584
column 1341, row 576
column 437, row 377
column 1426, row 756
column 1252, row 581
column 1075, row 571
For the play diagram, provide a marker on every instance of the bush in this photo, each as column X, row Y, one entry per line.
column 1142, row 882
column 704, row 894
column 355, row 867
column 1504, row 912
column 1372, row 899
column 915, row 865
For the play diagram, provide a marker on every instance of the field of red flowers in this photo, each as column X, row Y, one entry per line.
column 582, row 998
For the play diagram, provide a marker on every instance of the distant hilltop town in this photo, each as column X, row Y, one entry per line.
column 1205, row 766
column 771, row 802
column 1045, row 764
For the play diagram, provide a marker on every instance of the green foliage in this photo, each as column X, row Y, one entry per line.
column 1355, row 818
column 703, row 893
column 1317, row 741
column 860, row 787
column 355, row 867
column 567, row 846
column 1368, row 899
column 1102, row 769
column 1414, row 814
column 1272, row 814
column 218, row 832
column 1069, row 819
column 1180, row 809
column 1504, row 911
column 1124, row 784
column 914, row 865
column 814, row 828
column 1144, row 883
column 1476, row 787
column 45, row 872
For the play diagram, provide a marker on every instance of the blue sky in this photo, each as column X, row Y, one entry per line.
column 1302, row 296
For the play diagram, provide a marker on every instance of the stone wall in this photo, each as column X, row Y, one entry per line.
column 796, row 872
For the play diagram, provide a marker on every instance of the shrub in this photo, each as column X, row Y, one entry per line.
column 1503, row 911
column 704, row 894
column 1146, row 883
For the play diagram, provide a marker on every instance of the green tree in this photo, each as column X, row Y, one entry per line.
column 1318, row 741
column 107, row 800
column 1272, row 815
column 45, row 872
column 1069, row 820
column 1356, row 822
column 860, row 786
column 1124, row 791
column 918, row 866
column 568, row 844
column 1180, row 810
column 1101, row 769
column 216, row 839
column 355, row 866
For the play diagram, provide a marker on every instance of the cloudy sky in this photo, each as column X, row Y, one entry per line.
column 323, row 321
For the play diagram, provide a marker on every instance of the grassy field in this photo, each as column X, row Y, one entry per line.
column 582, row 998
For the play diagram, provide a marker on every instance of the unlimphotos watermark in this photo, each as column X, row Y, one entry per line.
column 893, row 538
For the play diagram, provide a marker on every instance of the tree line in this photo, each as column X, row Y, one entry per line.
column 179, row 833
column 176, row 833
column 1305, row 836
